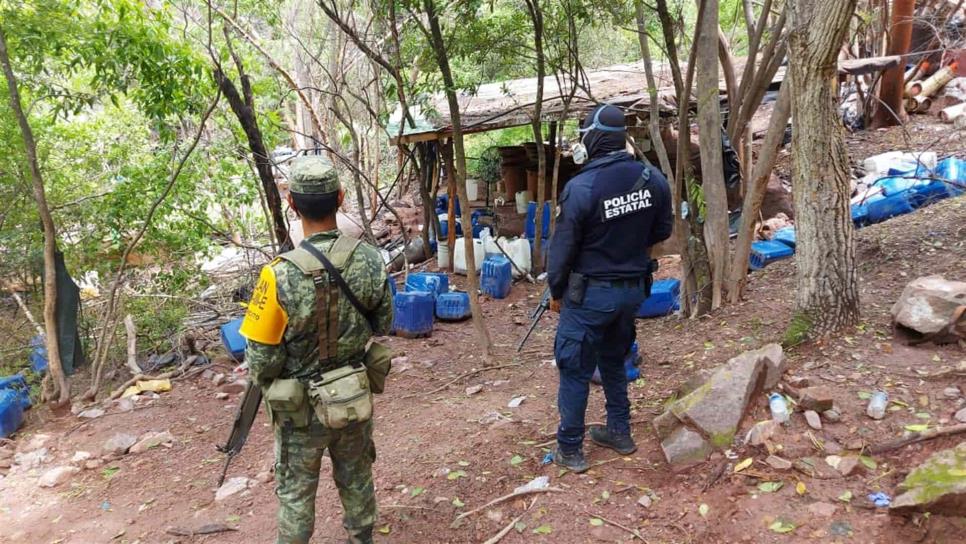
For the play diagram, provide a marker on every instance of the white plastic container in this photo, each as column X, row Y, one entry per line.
column 877, row 405
column 778, row 407
column 442, row 255
column 519, row 252
column 523, row 199
column 490, row 246
column 879, row 165
column 472, row 189
column 459, row 255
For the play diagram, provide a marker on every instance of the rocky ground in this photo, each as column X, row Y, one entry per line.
column 449, row 442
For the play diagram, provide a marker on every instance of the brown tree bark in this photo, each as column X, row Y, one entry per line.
column 61, row 387
column 536, row 18
column 890, row 111
column 438, row 45
column 827, row 298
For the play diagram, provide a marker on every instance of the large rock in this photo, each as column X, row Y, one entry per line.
column 685, row 447
column 151, row 440
column 926, row 307
column 57, row 476
column 119, row 444
column 937, row 486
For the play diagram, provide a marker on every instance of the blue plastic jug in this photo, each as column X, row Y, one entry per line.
column 233, row 341
column 769, row 251
column 497, row 276
column 786, row 236
column 530, row 228
column 423, row 281
column 631, row 370
column 664, row 299
column 953, row 169
column 443, row 280
column 453, row 306
column 18, row 385
column 413, row 315
column 11, row 412
column 878, row 208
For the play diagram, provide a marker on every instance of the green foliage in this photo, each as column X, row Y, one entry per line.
column 798, row 330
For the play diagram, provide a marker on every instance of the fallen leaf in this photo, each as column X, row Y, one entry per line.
column 596, row 522
column 703, row 510
column 543, row 530
column 234, row 518
column 516, row 460
column 770, row 487
column 781, row 526
column 458, row 503
column 924, row 415
column 416, row 491
column 385, row 530
column 800, row 488
column 109, row 472
column 916, row 428
column 605, row 495
column 519, row 526
column 957, row 472
column 463, row 463
column 456, row 475
column 744, row 464
column 846, row 496
column 865, row 395
column 868, row 462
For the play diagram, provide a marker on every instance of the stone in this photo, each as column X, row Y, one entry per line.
column 855, row 444
column 233, row 388
column 208, row 374
column 926, row 306
column 960, row 416
column 218, row 379
column 815, row 467
column 232, row 487
column 685, row 447
column 151, row 440
column 937, row 486
column 665, row 424
column 817, row 398
column 30, row 460
column 815, row 422
column 80, row 457
column 822, row 509
column 952, row 392
column 91, row 413
column 774, row 359
column 56, row 476
column 93, row 464
column 264, row 477
column 221, row 396
column 125, row 404
column 762, row 432
column 694, row 381
column 832, row 415
column 832, row 447
column 778, row 463
column 645, row 501
column 850, row 465
column 799, row 382
column 474, row 389
column 717, row 407
column 119, row 444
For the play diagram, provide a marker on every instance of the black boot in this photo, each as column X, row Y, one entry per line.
column 360, row 536
column 622, row 444
column 574, row 462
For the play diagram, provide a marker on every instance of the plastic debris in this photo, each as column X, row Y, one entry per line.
column 515, row 402
column 154, row 386
column 540, row 482
column 547, row 459
column 880, row 499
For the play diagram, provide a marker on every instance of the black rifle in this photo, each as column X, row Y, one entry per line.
column 535, row 316
column 244, row 417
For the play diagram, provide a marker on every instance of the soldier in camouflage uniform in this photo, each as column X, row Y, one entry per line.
column 282, row 329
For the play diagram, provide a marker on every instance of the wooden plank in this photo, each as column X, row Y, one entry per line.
column 856, row 67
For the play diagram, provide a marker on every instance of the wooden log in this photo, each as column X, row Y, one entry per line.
column 938, row 80
column 950, row 114
column 913, row 88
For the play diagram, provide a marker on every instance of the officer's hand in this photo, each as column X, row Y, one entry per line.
column 555, row 306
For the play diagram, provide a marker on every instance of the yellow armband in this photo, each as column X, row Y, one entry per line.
column 265, row 320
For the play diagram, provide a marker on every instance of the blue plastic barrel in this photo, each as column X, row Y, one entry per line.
column 233, row 341
column 442, row 205
column 786, row 236
column 38, row 354
column 444, row 228
column 454, row 306
column 18, row 385
column 11, row 412
column 392, row 285
column 878, row 208
column 530, row 229
column 443, row 280
column 631, row 369
column 860, row 214
column 954, row 170
column 497, row 276
column 423, row 281
column 763, row 253
column 413, row 315
column 664, row 299
column 897, row 185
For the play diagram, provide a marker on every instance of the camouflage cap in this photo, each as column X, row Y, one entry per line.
column 313, row 174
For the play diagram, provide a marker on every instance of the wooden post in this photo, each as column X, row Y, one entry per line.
column 446, row 152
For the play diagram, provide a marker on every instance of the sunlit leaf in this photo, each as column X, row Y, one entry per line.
column 744, row 464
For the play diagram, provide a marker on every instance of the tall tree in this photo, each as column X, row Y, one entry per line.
column 827, row 298
column 890, row 111
column 536, row 19
column 61, row 389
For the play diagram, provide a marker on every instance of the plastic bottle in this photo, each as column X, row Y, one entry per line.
column 779, row 408
column 877, row 405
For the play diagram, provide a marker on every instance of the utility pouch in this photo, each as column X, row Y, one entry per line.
column 286, row 403
column 576, row 287
column 378, row 362
column 341, row 396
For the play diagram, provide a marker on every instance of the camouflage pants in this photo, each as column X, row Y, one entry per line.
column 298, row 459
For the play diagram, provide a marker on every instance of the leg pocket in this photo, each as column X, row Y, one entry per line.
column 568, row 349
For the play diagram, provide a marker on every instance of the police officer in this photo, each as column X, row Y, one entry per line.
column 599, row 268
column 286, row 345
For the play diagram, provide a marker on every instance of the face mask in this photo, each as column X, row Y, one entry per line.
column 579, row 150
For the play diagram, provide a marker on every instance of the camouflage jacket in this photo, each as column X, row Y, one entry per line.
column 297, row 355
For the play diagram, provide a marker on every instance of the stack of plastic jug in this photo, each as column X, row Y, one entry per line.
column 11, row 412
column 530, row 228
column 631, row 368
column 453, row 306
column 664, row 299
column 423, row 281
column 413, row 313
column 234, row 342
column 18, row 384
column 497, row 277
column 768, row 251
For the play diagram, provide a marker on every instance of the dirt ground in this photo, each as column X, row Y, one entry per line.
column 443, row 451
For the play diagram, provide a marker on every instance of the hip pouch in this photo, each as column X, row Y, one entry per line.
column 576, row 287
column 341, row 397
column 286, row 403
column 378, row 362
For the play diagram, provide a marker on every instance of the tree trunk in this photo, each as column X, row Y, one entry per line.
column 827, row 299
column 757, row 184
column 536, row 17
column 459, row 178
column 709, row 127
column 890, row 110
column 61, row 387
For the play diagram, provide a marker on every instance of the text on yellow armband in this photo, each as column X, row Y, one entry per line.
column 265, row 319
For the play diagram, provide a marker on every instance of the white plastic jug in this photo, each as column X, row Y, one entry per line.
column 472, row 189
column 519, row 252
column 523, row 199
column 442, row 255
column 879, row 165
column 459, row 255
column 490, row 246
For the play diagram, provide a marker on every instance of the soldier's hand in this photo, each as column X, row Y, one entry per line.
column 555, row 306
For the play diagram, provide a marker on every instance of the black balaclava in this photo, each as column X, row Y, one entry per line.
column 605, row 135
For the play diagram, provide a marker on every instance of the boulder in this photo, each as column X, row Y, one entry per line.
column 151, row 440
column 91, row 413
column 937, row 486
column 960, row 416
column 119, row 444
column 818, row 398
column 57, row 476
column 815, row 467
column 685, row 447
column 926, row 308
